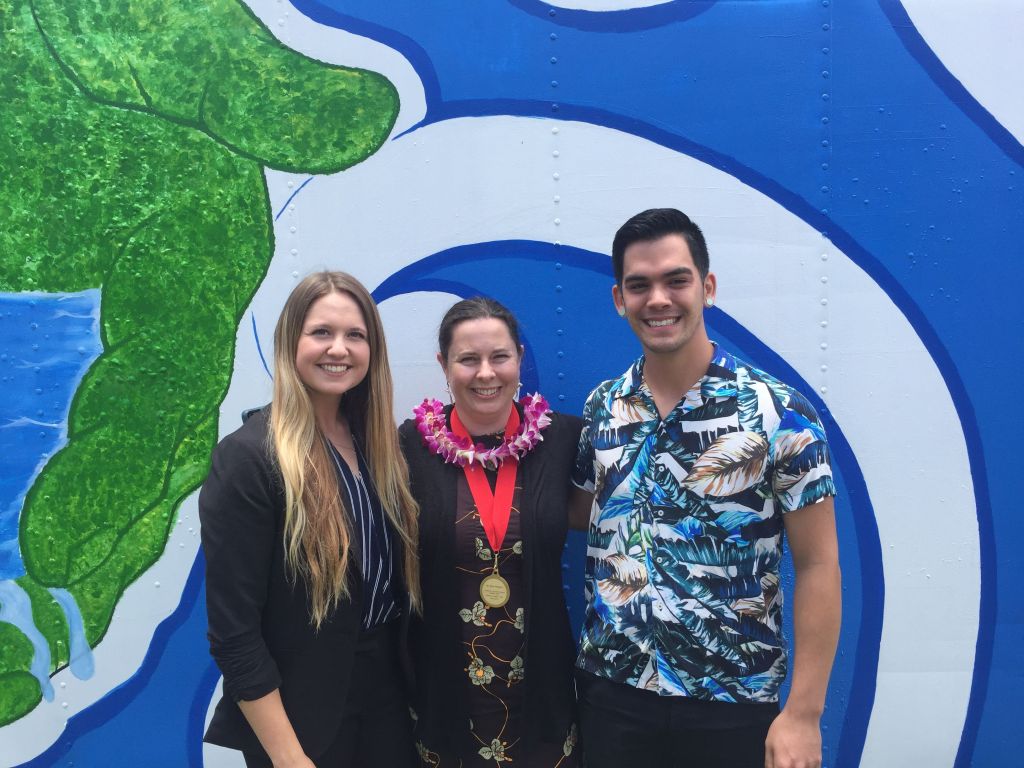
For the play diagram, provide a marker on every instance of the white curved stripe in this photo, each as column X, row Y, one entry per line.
column 481, row 179
column 979, row 43
column 605, row 5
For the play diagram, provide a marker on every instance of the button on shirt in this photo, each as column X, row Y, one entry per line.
column 685, row 537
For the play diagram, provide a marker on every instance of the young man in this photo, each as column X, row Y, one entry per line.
column 690, row 467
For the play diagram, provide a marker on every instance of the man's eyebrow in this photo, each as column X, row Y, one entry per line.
column 677, row 272
column 685, row 271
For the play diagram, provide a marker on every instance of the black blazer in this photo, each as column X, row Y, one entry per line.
column 259, row 629
column 436, row 640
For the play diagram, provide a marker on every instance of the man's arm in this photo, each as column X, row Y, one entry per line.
column 580, row 502
column 794, row 739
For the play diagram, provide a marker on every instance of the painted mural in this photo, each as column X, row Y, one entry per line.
column 135, row 137
column 168, row 170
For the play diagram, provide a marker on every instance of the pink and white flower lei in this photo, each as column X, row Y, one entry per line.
column 431, row 423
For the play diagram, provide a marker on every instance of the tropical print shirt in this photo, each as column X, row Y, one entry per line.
column 685, row 538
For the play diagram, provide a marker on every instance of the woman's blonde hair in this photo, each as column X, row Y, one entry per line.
column 317, row 527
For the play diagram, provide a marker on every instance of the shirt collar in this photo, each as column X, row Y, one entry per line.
column 718, row 381
column 631, row 381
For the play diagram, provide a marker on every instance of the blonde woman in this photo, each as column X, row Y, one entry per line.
column 310, row 538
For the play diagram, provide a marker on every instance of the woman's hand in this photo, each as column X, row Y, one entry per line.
column 301, row 761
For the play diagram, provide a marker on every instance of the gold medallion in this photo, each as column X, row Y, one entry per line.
column 494, row 591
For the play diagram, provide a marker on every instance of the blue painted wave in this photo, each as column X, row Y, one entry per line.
column 50, row 342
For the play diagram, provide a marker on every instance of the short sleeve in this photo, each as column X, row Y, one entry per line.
column 800, row 458
column 583, row 468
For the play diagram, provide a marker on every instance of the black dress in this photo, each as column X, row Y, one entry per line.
column 486, row 694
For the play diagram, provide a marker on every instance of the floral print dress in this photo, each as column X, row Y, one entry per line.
column 493, row 640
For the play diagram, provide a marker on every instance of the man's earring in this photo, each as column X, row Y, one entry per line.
column 709, row 301
column 621, row 311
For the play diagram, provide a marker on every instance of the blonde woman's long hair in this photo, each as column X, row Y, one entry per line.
column 317, row 526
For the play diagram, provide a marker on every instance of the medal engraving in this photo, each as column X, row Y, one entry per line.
column 494, row 591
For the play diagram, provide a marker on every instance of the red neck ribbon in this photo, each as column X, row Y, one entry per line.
column 494, row 508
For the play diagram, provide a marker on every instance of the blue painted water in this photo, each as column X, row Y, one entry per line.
column 80, row 654
column 49, row 342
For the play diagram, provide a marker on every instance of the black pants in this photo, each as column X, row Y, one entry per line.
column 375, row 730
column 625, row 726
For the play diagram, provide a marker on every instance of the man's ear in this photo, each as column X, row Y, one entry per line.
column 710, row 288
column 620, row 306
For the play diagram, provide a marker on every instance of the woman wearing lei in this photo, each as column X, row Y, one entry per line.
column 493, row 653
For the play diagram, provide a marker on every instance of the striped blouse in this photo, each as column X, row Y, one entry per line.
column 374, row 541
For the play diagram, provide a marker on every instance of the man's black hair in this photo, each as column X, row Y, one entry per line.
column 655, row 223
